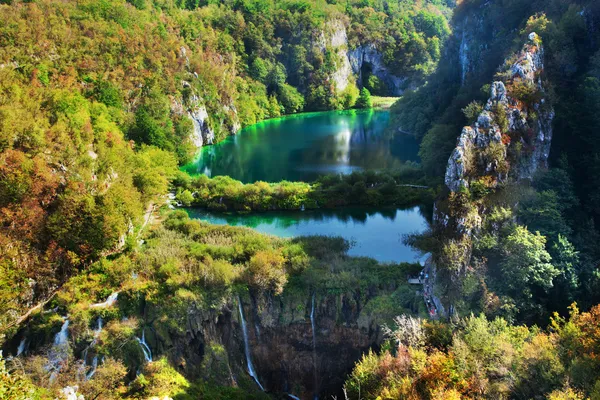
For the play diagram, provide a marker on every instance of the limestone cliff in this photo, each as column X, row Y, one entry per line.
column 302, row 345
column 507, row 122
column 508, row 141
column 205, row 127
column 351, row 61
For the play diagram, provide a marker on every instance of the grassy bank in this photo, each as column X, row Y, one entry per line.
column 401, row 188
column 383, row 102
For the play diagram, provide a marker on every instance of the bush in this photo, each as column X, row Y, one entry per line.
column 290, row 99
column 472, row 111
column 364, row 99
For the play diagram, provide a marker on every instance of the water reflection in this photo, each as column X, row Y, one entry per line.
column 376, row 233
column 305, row 146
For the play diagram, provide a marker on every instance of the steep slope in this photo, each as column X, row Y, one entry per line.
column 509, row 141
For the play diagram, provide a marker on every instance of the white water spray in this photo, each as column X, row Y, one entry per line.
column 59, row 352
column 251, row 370
column 21, row 347
column 112, row 299
column 145, row 347
column 84, row 355
column 89, row 375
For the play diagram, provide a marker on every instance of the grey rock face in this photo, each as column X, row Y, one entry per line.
column 485, row 131
column 368, row 54
column 458, row 164
column 202, row 134
column 351, row 62
column 337, row 38
column 498, row 93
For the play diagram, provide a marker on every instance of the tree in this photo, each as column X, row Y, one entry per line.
column 526, row 263
column 364, row 99
column 259, row 70
column 290, row 99
column 266, row 271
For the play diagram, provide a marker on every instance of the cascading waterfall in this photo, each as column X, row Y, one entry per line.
column 84, row 355
column 314, row 342
column 89, row 375
column 145, row 348
column 109, row 302
column 62, row 336
column 21, row 348
column 251, row 370
column 59, row 351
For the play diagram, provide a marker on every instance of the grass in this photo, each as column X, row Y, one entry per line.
column 383, row 102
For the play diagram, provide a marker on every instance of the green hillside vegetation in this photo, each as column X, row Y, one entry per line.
column 187, row 264
column 402, row 188
column 94, row 97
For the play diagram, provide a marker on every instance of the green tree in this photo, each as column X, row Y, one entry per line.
column 259, row 70
column 526, row 263
column 290, row 99
column 364, row 99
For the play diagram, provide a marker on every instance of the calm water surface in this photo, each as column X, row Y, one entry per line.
column 304, row 146
column 375, row 233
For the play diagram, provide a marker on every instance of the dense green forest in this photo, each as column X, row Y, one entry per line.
column 95, row 97
column 101, row 102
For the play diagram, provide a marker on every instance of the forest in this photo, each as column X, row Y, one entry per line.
column 107, row 292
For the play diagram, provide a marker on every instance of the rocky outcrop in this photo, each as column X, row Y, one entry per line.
column 336, row 38
column 368, row 54
column 193, row 107
column 203, row 133
column 528, row 126
column 351, row 62
column 509, row 140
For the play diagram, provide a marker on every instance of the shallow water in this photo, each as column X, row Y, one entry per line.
column 375, row 233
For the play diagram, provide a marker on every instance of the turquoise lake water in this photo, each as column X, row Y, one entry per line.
column 304, row 146
column 375, row 233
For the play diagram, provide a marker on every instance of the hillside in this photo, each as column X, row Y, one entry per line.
column 100, row 100
column 108, row 291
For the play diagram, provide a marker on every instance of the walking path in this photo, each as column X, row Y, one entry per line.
column 427, row 279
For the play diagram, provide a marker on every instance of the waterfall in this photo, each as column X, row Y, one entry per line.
column 291, row 396
column 145, row 347
column 21, row 347
column 59, row 352
column 314, row 343
column 251, row 370
column 89, row 375
column 109, row 302
column 84, row 354
column 62, row 336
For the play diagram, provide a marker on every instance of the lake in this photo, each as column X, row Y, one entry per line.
column 302, row 147
column 376, row 233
